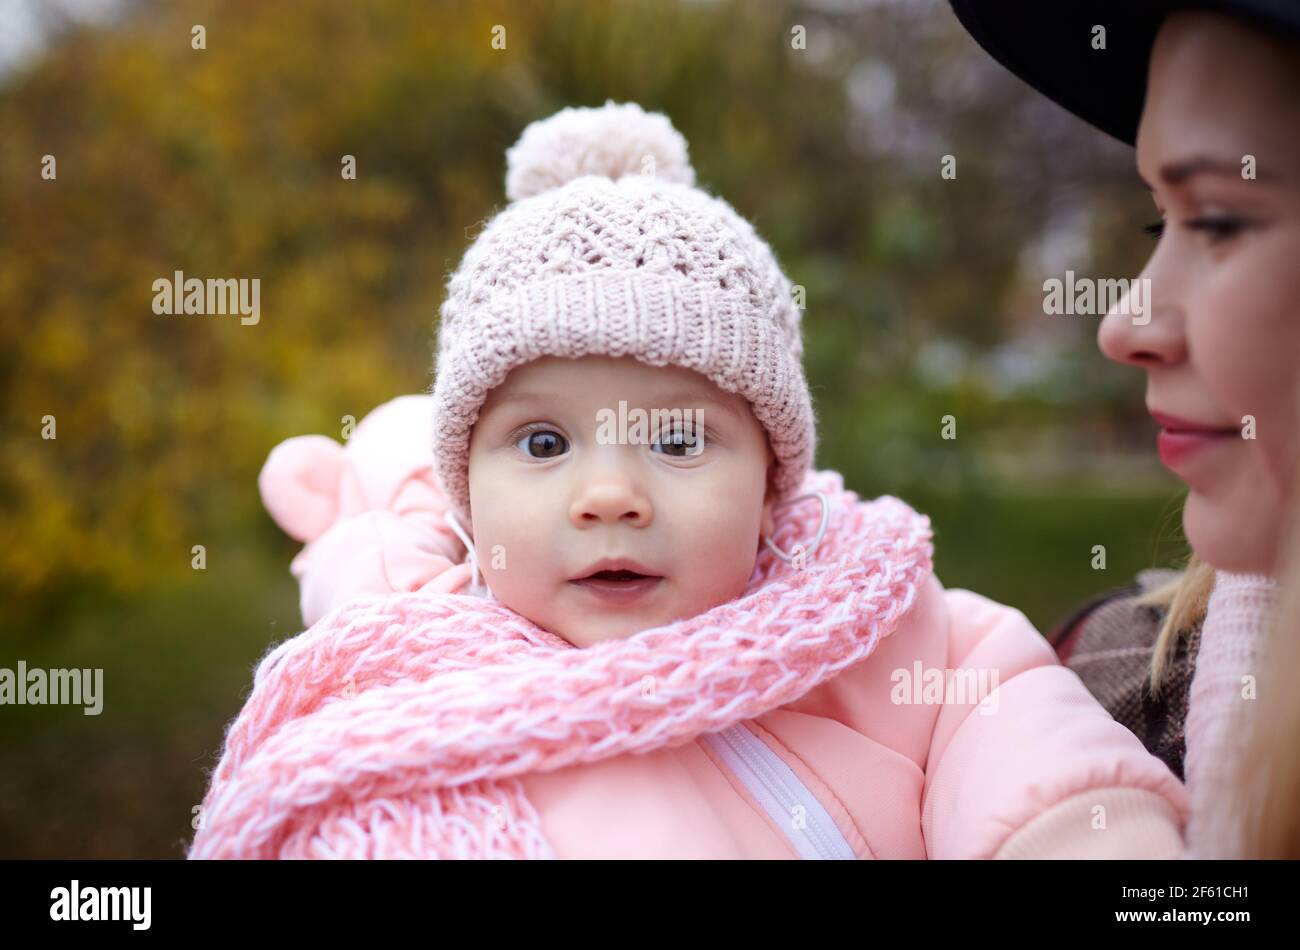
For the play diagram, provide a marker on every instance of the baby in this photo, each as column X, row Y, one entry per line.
column 685, row 641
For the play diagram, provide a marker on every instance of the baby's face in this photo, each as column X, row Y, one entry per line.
column 555, row 488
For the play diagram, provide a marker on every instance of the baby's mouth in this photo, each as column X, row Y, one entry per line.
column 622, row 586
column 617, row 575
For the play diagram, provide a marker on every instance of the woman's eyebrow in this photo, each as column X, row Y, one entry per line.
column 1175, row 173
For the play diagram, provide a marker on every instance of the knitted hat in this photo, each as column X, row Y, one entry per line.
column 607, row 249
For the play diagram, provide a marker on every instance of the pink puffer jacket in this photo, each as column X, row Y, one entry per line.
column 960, row 736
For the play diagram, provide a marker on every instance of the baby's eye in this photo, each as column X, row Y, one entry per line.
column 681, row 443
column 547, row 442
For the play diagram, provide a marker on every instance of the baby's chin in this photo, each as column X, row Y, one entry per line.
column 591, row 627
column 584, row 628
column 589, row 634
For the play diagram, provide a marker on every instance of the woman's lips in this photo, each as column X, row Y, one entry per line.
column 1176, row 447
column 618, row 593
column 1181, row 439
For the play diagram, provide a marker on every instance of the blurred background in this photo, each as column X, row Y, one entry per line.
column 924, row 299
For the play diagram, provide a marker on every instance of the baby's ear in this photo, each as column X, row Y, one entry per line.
column 300, row 485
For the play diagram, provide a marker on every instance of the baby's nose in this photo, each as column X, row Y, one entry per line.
column 610, row 503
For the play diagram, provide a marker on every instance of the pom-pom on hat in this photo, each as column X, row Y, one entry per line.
column 607, row 248
column 610, row 142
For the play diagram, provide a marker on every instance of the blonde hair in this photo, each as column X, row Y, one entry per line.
column 1184, row 600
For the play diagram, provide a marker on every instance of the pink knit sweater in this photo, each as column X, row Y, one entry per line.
column 1232, row 634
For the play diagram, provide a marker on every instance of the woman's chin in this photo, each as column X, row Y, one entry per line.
column 1230, row 539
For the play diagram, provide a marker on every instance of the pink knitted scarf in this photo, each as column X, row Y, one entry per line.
column 398, row 726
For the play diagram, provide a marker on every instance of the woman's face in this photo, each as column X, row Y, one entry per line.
column 1222, row 346
column 557, row 485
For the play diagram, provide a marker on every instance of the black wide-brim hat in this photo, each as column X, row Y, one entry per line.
column 1049, row 44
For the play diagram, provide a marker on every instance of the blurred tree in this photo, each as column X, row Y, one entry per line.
column 225, row 162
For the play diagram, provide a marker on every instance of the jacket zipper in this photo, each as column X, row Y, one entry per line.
column 778, row 792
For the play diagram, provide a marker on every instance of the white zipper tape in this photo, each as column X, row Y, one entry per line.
column 779, row 792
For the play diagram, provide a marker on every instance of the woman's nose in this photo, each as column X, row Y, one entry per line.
column 1144, row 328
column 611, row 500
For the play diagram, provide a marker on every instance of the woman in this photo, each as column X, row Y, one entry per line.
column 1209, row 98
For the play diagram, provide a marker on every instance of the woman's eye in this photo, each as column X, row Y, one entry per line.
column 1218, row 228
column 547, row 442
column 681, row 443
column 1155, row 230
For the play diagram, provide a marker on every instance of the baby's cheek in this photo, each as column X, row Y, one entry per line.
column 517, row 564
column 715, row 558
column 522, row 587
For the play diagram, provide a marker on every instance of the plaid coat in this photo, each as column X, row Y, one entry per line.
column 1109, row 642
